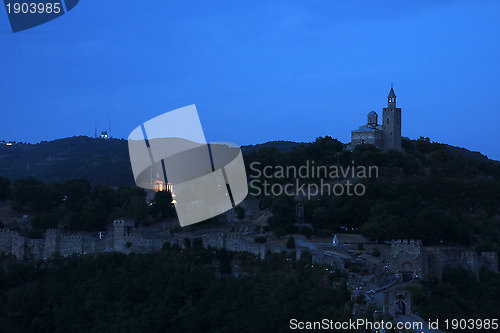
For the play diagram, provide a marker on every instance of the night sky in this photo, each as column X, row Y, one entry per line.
column 257, row 70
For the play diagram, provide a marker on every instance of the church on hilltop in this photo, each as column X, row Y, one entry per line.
column 386, row 135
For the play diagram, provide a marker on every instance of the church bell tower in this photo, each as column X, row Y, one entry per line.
column 391, row 123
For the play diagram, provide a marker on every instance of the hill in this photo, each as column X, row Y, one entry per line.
column 98, row 160
column 282, row 146
column 106, row 161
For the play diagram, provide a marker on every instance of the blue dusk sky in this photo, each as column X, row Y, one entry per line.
column 257, row 70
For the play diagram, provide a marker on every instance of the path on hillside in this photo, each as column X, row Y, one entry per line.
column 304, row 243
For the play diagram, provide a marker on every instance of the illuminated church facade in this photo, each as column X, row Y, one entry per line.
column 386, row 135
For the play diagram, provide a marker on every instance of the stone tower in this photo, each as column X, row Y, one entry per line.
column 406, row 259
column 391, row 123
column 123, row 232
column 52, row 243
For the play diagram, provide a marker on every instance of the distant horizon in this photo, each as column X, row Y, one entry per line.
column 244, row 145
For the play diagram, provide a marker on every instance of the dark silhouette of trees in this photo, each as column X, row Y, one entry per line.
column 162, row 205
column 4, row 188
column 171, row 291
column 431, row 191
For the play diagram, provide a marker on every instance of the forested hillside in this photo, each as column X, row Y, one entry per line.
column 193, row 290
column 424, row 192
column 106, row 161
column 99, row 161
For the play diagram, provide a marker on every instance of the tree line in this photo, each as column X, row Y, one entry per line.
column 76, row 205
column 190, row 290
column 424, row 192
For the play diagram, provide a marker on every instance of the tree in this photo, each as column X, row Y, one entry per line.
column 383, row 227
column 407, row 145
column 240, row 212
column 4, row 188
column 137, row 209
column 319, row 217
column 75, row 192
column 424, row 145
column 283, row 209
column 125, row 193
column 44, row 221
column 290, row 244
column 32, row 192
column 94, row 215
column 106, row 195
column 163, row 205
column 260, row 239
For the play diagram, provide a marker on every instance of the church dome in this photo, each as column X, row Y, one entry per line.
column 372, row 118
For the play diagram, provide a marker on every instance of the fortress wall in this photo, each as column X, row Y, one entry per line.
column 433, row 260
column 213, row 240
column 158, row 243
column 490, row 261
column 51, row 247
column 233, row 243
column 453, row 257
column 6, row 241
column 425, row 262
column 320, row 258
column 252, row 247
column 406, row 257
column 131, row 242
column 35, row 248
column 432, row 263
column 18, row 246
column 93, row 245
column 140, row 244
column 174, row 240
column 70, row 244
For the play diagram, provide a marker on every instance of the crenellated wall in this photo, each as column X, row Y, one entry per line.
column 55, row 242
column 6, row 241
column 408, row 258
column 428, row 263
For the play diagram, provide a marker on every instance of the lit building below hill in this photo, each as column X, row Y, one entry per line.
column 159, row 186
